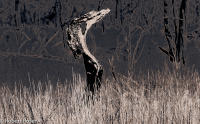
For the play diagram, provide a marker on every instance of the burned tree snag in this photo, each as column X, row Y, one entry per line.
column 176, row 40
column 76, row 32
column 94, row 72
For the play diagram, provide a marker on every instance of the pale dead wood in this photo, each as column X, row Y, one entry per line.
column 76, row 40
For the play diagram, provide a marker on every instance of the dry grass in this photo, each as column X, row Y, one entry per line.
column 157, row 98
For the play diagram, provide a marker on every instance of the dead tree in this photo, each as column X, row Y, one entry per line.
column 76, row 32
column 175, row 40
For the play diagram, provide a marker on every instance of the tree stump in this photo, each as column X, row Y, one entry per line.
column 75, row 33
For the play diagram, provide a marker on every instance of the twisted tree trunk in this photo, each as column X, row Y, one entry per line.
column 76, row 40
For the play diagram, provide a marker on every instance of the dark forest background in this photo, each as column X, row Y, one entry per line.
column 128, row 38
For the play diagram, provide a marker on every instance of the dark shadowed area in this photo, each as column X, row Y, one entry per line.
column 128, row 38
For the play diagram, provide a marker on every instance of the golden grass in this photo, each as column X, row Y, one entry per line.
column 157, row 98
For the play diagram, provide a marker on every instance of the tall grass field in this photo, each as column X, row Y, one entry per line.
column 167, row 97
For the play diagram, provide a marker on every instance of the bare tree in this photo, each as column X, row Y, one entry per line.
column 135, row 20
column 37, row 45
column 175, row 38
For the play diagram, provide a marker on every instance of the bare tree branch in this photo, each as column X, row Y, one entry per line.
column 45, row 57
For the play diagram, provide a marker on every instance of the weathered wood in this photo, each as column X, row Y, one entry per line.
column 76, row 40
